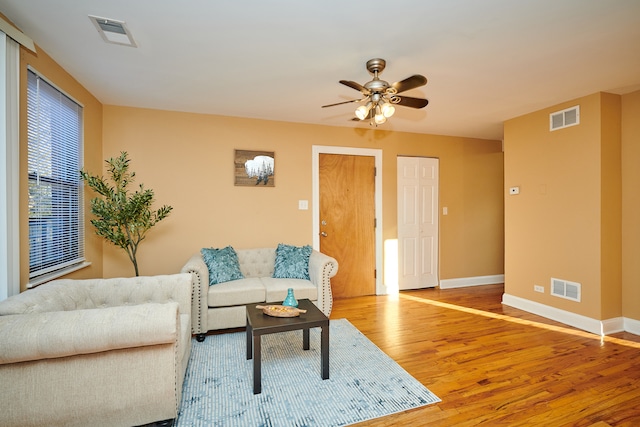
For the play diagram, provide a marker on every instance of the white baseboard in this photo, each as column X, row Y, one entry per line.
column 598, row 327
column 568, row 318
column 632, row 326
column 471, row 281
column 612, row 326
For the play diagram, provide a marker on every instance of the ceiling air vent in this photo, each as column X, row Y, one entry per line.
column 565, row 289
column 565, row 118
column 113, row 31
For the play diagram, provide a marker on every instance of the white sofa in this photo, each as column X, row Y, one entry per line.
column 97, row 352
column 221, row 306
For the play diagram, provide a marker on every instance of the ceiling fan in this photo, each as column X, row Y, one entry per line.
column 380, row 97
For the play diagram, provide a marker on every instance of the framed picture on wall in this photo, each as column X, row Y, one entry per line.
column 254, row 168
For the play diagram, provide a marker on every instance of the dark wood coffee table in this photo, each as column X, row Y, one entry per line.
column 259, row 324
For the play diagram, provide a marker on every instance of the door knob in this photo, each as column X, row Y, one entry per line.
column 323, row 234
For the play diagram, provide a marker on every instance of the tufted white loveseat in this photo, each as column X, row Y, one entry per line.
column 221, row 306
column 98, row 352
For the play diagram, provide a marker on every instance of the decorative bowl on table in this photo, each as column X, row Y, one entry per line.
column 280, row 310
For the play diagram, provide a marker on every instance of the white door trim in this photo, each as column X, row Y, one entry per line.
column 315, row 162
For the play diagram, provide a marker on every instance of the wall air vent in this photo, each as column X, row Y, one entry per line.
column 565, row 118
column 113, row 31
column 565, row 289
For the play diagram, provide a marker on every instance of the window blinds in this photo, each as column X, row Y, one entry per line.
column 56, row 223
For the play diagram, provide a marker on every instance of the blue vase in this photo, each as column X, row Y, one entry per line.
column 290, row 300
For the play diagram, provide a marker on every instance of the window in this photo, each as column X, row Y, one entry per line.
column 56, row 220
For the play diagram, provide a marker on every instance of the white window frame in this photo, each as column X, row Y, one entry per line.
column 10, row 163
column 45, row 266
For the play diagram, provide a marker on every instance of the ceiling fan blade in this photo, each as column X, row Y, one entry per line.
column 408, row 101
column 356, row 86
column 410, row 83
column 345, row 102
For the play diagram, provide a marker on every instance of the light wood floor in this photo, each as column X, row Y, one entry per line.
column 499, row 366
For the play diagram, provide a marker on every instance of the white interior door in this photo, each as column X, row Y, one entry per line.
column 417, row 222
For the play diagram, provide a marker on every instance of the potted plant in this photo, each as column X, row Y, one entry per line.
column 122, row 217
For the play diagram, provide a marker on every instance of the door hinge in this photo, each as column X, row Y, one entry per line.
column 375, row 222
column 375, row 171
column 375, row 274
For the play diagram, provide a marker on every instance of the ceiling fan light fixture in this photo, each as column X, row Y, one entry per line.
column 363, row 110
column 387, row 109
column 379, row 118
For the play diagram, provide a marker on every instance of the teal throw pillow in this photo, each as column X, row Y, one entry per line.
column 222, row 263
column 292, row 262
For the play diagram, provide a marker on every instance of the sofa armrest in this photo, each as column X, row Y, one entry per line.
column 321, row 269
column 49, row 335
column 200, row 280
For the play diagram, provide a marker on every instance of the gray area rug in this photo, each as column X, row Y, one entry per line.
column 364, row 382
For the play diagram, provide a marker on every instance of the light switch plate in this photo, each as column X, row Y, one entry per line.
column 303, row 205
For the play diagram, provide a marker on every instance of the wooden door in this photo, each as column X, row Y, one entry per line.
column 417, row 222
column 347, row 221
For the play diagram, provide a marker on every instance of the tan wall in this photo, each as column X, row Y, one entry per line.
column 611, row 207
column 570, row 218
column 552, row 228
column 471, row 179
column 631, row 205
column 187, row 159
column 50, row 70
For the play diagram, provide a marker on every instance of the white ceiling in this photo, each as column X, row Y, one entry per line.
column 486, row 61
